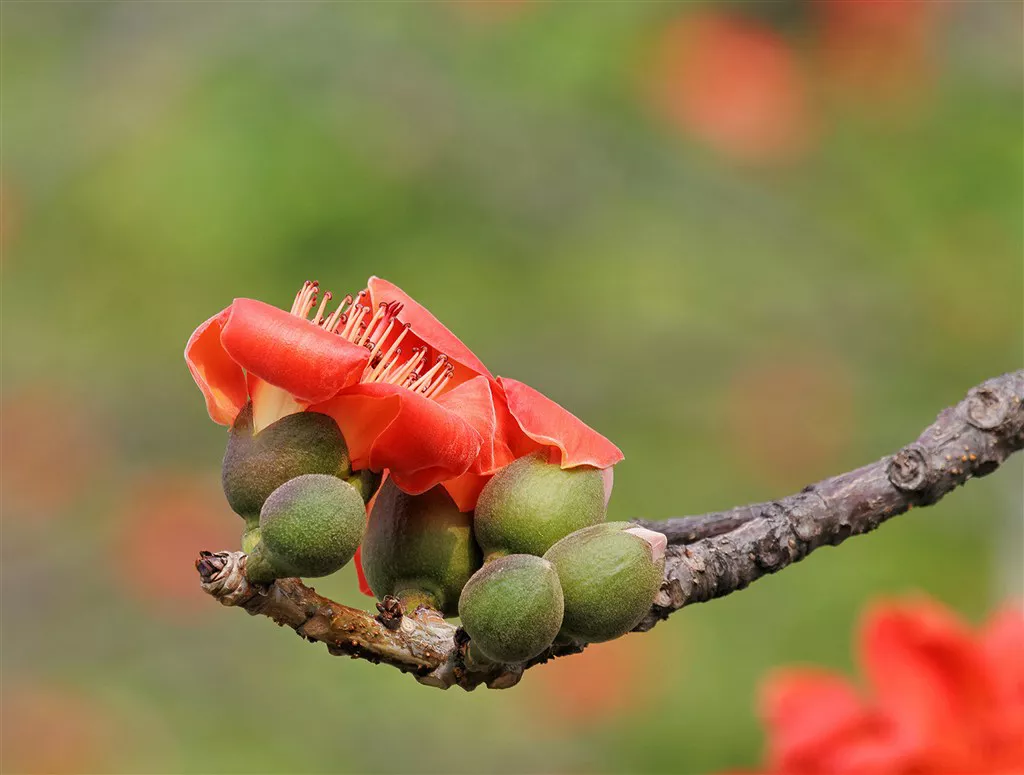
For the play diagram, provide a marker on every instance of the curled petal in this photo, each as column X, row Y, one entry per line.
column 482, row 404
column 425, row 325
column 474, row 401
column 289, row 352
column 548, row 424
column 217, row 375
column 421, row 442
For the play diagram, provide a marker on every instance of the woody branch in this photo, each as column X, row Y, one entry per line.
column 709, row 556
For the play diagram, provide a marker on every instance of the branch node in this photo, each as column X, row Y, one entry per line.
column 987, row 408
column 908, row 469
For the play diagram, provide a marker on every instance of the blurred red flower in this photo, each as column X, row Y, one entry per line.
column 52, row 729
column 791, row 417
column 735, row 84
column 55, row 451
column 606, row 682
column 878, row 51
column 943, row 699
column 429, row 415
column 165, row 518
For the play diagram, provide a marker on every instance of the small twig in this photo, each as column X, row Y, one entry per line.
column 690, row 530
column 709, row 555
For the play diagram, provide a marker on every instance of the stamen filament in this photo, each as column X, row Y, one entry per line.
column 425, row 379
column 382, row 375
column 440, row 384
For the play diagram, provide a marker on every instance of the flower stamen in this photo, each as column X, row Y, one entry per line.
column 356, row 321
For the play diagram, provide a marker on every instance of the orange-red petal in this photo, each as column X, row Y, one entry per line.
column 419, row 441
column 929, row 677
column 217, row 375
column 548, row 424
column 290, row 352
column 465, row 489
column 424, row 324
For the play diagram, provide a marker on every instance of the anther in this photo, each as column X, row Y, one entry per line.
column 323, row 305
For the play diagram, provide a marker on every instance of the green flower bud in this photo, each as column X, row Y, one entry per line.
column 609, row 574
column 309, row 526
column 529, row 505
column 512, row 608
column 419, row 548
column 257, row 464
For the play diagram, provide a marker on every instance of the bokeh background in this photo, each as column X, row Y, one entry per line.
column 755, row 244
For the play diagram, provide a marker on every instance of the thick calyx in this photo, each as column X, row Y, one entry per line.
column 531, row 503
column 419, row 548
column 309, row 526
column 609, row 574
column 512, row 608
column 256, row 464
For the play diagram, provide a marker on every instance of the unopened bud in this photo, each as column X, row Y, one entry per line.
column 609, row 574
column 419, row 548
column 309, row 526
column 256, row 464
column 530, row 504
column 512, row 608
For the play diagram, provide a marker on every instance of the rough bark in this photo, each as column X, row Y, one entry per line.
column 709, row 556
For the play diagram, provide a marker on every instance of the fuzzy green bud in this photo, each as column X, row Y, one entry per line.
column 309, row 526
column 609, row 574
column 256, row 464
column 512, row 608
column 419, row 548
column 530, row 504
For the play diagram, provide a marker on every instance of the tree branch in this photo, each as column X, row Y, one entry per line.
column 709, row 556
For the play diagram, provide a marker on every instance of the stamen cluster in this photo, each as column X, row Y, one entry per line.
column 381, row 332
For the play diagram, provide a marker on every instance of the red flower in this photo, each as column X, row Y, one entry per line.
column 398, row 387
column 408, row 396
column 944, row 700
column 736, row 85
column 878, row 51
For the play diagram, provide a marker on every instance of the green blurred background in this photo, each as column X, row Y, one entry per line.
column 754, row 244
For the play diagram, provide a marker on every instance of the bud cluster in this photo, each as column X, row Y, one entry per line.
column 534, row 562
column 293, row 484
